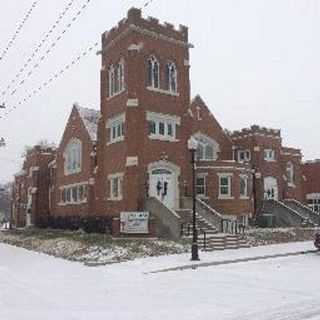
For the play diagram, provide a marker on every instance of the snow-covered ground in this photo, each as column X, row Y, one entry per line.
column 35, row 286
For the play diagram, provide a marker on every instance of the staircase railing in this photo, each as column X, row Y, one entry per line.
column 189, row 233
column 303, row 219
column 225, row 225
column 313, row 214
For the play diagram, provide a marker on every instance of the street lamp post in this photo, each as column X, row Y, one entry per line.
column 2, row 142
column 192, row 146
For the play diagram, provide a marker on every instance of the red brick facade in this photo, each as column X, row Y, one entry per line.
column 137, row 146
column 311, row 176
column 31, row 187
column 278, row 169
column 66, row 198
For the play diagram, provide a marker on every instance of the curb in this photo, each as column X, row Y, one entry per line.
column 218, row 263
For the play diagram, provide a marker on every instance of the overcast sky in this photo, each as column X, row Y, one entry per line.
column 254, row 62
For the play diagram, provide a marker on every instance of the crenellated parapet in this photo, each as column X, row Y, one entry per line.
column 256, row 130
column 151, row 26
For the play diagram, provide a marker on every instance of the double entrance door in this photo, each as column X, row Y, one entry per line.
column 162, row 185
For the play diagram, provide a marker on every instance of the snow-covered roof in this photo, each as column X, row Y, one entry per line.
column 90, row 118
column 20, row 173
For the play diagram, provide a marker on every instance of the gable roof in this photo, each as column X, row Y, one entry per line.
column 90, row 119
column 197, row 101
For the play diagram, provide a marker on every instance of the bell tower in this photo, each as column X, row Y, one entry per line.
column 143, row 132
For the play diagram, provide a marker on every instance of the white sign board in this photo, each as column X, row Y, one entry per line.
column 134, row 222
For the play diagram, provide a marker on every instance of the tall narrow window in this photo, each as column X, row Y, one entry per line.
column 290, row 172
column 116, row 78
column 243, row 186
column 121, row 75
column 115, row 186
column 153, row 73
column 72, row 157
column 201, row 184
column 224, row 186
column 111, row 81
column 171, row 77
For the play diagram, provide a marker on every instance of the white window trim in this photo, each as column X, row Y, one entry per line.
column 111, row 177
column 112, row 85
column 267, row 158
column 216, row 148
column 170, row 65
column 154, row 61
column 229, row 195
column 245, row 151
column 203, row 175
column 167, row 92
column 72, row 202
column 246, row 196
column 112, row 122
column 67, row 171
column 166, row 119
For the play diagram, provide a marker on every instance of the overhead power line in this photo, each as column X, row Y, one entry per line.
column 39, row 46
column 18, row 30
column 54, row 77
column 49, row 50
column 146, row 4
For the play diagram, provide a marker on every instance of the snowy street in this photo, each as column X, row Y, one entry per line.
column 35, row 286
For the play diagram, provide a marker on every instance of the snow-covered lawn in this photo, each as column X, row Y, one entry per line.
column 35, row 286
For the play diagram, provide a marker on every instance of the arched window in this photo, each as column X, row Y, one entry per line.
column 290, row 172
column 120, row 75
column 111, row 81
column 72, row 156
column 153, row 73
column 116, row 78
column 207, row 149
column 171, row 77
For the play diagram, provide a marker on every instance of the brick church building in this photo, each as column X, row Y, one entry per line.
column 136, row 148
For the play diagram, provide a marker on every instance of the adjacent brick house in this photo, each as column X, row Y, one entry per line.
column 31, row 187
column 311, row 175
column 278, row 169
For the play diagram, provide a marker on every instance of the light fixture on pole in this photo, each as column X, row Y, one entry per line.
column 192, row 147
column 2, row 142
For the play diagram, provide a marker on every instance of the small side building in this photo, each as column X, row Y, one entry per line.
column 72, row 171
column 30, row 194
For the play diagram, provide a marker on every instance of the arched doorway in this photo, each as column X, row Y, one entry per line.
column 271, row 188
column 163, row 183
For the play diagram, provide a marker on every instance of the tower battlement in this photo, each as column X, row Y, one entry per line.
column 135, row 20
column 256, row 130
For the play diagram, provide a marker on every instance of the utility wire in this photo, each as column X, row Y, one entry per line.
column 54, row 77
column 18, row 30
column 51, row 47
column 39, row 45
column 146, row 4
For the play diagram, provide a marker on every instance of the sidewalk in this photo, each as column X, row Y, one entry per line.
column 244, row 255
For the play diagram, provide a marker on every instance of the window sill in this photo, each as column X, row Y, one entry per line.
column 163, row 138
column 115, row 141
column 291, row 185
column 221, row 197
column 115, row 199
column 62, row 204
column 270, row 160
column 244, row 198
column 167, row 92
column 116, row 94
column 72, row 172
